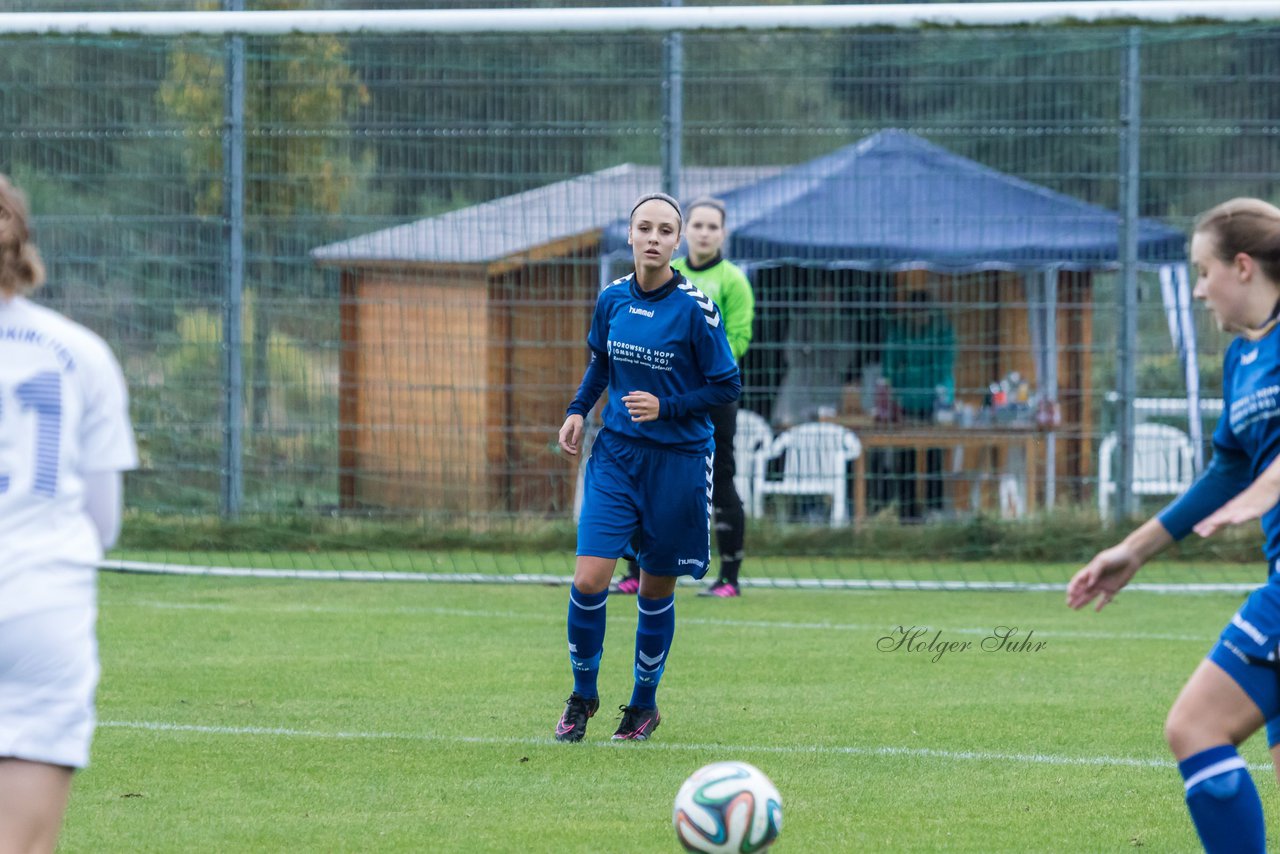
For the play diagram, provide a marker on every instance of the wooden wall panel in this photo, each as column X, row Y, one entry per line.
column 1075, row 371
column 349, row 389
column 422, row 380
column 548, row 311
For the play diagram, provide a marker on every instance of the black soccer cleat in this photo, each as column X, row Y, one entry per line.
column 573, row 723
column 637, row 724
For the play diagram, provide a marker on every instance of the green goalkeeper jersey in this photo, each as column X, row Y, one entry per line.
column 728, row 287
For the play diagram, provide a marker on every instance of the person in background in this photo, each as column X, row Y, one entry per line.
column 1234, row 692
column 818, row 355
column 706, row 268
column 919, row 365
column 658, row 345
column 65, row 438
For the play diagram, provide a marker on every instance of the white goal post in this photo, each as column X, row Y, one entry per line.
column 633, row 19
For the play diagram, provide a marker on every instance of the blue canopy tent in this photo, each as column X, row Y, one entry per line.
column 894, row 202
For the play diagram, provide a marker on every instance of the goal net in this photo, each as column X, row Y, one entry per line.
column 349, row 264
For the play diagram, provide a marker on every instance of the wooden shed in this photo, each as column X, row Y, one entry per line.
column 464, row 339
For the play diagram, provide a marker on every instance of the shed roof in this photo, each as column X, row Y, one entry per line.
column 512, row 225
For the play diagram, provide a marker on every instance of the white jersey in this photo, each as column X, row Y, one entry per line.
column 63, row 414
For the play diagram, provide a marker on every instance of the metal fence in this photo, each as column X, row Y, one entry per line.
column 392, row 318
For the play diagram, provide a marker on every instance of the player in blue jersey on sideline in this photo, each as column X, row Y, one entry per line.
column 1235, row 691
column 657, row 343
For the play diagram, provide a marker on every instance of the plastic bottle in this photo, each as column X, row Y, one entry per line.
column 884, row 402
column 999, row 395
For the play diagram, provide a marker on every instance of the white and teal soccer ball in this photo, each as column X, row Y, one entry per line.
column 727, row 807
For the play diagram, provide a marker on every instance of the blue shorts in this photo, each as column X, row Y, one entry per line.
column 1249, row 651
column 663, row 494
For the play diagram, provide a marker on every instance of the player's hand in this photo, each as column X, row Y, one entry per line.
column 571, row 435
column 1102, row 578
column 1251, row 504
column 641, row 405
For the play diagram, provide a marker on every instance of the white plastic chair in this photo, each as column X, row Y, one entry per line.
column 752, row 435
column 1163, row 463
column 815, row 460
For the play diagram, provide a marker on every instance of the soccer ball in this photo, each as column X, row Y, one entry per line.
column 727, row 807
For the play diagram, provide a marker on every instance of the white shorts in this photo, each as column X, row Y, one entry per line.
column 48, row 676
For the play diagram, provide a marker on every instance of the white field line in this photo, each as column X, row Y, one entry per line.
column 768, row 625
column 147, row 568
column 923, row 753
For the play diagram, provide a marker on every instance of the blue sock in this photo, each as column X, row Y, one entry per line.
column 586, row 639
column 1223, row 801
column 654, row 630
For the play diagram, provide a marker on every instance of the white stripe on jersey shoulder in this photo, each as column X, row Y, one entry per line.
column 622, row 281
column 709, row 311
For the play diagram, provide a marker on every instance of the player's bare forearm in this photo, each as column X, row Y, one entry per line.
column 1148, row 540
column 1111, row 569
column 1253, row 503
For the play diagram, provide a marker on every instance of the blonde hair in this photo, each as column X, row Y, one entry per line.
column 21, row 270
column 1251, row 226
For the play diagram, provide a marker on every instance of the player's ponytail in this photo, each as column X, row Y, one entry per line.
column 21, row 269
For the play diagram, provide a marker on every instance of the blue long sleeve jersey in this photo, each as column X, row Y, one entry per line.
column 669, row 342
column 1245, row 441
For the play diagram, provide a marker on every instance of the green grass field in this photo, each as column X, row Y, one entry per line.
column 262, row 715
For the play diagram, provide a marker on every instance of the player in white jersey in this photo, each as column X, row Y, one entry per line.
column 65, row 439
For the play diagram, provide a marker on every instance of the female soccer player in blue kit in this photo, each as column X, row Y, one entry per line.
column 1235, row 691
column 659, row 346
column 729, row 287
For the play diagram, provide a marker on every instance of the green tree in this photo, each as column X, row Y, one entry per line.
column 300, row 163
column 83, row 125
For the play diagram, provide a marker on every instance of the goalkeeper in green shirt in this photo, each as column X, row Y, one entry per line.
column 727, row 285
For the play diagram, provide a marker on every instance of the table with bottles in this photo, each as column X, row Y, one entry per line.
column 1005, row 456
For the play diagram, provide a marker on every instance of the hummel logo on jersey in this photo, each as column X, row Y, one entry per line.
column 1249, row 629
column 704, row 302
column 1249, row 358
column 685, row 561
column 641, row 311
